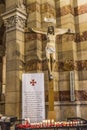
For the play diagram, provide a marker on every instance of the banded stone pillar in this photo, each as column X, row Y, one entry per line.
column 67, row 55
column 80, row 8
column 2, row 55
column 14, row 19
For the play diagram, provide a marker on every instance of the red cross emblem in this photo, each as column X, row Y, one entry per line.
column 33, row 82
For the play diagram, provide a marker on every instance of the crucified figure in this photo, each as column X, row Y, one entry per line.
column 51, row 32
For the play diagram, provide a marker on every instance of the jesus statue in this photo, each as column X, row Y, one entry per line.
column 51, row 32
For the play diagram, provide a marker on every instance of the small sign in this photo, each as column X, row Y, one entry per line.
column 33, row 103
column 72, row 86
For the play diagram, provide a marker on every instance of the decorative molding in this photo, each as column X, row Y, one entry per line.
column 14, row 22
column 14, row 19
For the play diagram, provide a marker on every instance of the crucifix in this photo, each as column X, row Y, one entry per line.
column 51, row 32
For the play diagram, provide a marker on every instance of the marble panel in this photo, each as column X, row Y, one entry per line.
column 58, row 113
column 82, row 27
column 56, row 96
column 80, row 2
column 68, row 111
column 13, row 97
column 64, row 85
column 81, row 18
column 80, row 9
column 48, row 10
column 33, row 1
column 68, row 25
column 10, row 109
column 82, row 85
column 82, row 75
column 69, row 45
column 14, row 81
column 10, row 4
column 65, row 10
column 64, row 76
column 62, row 3
column 81, row 95
column 82, row 55
column 52, row 3
column 83, row 110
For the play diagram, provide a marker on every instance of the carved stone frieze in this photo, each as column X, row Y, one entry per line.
column 14, row 19
column 15, row 22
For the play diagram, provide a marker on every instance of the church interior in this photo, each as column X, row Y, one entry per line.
column 23, row 51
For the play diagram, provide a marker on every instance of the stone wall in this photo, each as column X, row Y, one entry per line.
column 27, row 54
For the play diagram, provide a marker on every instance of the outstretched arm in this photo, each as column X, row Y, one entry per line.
column 37, row 30
column 59, row 31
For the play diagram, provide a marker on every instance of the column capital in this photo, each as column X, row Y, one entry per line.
column 14, row 19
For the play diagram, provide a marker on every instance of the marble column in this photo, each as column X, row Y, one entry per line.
column 14, row 19
column 2, row 54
